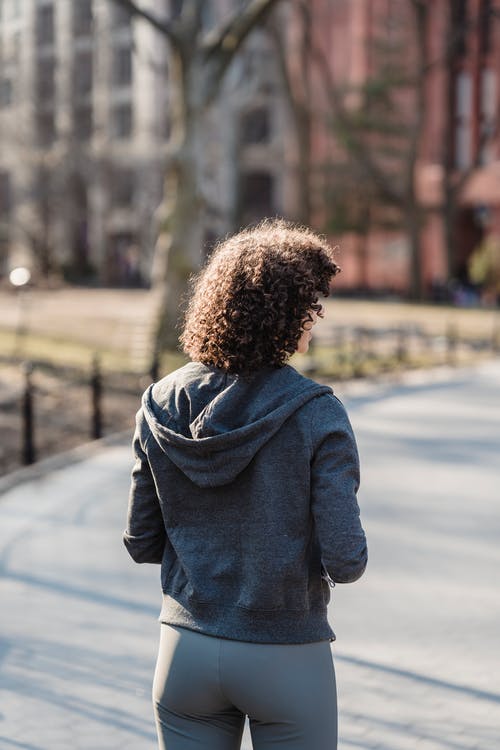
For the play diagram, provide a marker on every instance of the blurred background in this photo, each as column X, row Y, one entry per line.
column 134, row 135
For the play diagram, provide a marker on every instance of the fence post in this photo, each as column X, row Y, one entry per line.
column 401, row 345
column 310, row 366
column 96, row 392
column 28, row 440
column 154, row 370
column 495, row 337
column 358, row 352
column 345, row 352
column 452, row 343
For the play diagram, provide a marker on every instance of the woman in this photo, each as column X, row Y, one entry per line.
column 244, row 490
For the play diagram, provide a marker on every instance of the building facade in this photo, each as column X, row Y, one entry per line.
column 371, row 49
column 84, row 131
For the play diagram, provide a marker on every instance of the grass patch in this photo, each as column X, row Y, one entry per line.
column 61, row 352
column 469, row 323
column 328, row 363
column 171, row 360
column 57, row 350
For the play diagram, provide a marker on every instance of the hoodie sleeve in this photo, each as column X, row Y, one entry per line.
column 145, row 534
column 334, row 485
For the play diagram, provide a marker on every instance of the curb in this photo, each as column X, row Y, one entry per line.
column 62, row 460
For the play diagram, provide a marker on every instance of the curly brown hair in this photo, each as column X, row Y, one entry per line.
column 249, row 303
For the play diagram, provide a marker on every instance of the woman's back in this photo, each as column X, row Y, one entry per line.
column 244, row 490
column 232, row 461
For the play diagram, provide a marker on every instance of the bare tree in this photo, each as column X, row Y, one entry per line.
column 381, row 143
column 199, row 59
column 372, row 179
column 294, row 64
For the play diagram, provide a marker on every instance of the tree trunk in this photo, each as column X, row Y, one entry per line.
column 198, row 64
column 302, row 108
column 297, row 89
column 413, row 224
column 412, row 208
column 177, row 252
column 303, row 125
column 449, row 215
column 449, row 197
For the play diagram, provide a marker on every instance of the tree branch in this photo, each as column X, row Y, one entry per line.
column 279, row 46
column 235, row 30
column 359, row 151
column 297, row 91
column 165, row 27
column 221, row 45
column 421, row 19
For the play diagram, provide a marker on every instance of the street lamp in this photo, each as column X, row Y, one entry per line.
column 19, row 278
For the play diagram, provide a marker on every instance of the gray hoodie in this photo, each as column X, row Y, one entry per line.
column 244, row 489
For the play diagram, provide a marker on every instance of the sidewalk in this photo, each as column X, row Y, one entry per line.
column 417, row 653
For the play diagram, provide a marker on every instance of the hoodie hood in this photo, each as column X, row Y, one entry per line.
column 211, row 423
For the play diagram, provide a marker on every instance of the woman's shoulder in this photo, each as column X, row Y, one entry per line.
column 327, row 412
column 192, row 373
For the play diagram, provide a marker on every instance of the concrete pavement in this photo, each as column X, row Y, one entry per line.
column 417, row 654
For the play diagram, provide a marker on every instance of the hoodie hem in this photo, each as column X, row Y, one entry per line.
column 238, row 624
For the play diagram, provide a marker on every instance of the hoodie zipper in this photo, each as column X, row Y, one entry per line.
column 326, row 577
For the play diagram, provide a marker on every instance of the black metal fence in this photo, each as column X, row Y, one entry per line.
column 48, row 408
column 354, row 352
column 51, row 408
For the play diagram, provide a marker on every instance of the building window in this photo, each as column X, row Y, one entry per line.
column 122, row 66
column 463, row 112
column 123, row 188
column 82, row 73
column 459, row 26
column 45, row 79
column 124, row 260
column 256, row 196
column 486, row 19
column 15, row 47
column 255, row 126
column 82, row 122
column 121, row 17
column 45, row 128
column 5, row 92
column 10, row 9
column 165, row 129
column 15, row 8
column 176, row 8
column 5, row 194
column 82, row 17
column 207, row 15
column 45, row 24
column 122, row 121
column 488, row 109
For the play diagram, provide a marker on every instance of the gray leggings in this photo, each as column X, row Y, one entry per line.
column 205, row 686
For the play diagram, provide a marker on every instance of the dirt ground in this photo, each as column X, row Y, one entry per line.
column 95, row 316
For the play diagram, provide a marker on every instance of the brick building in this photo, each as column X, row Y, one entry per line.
column 456, row 169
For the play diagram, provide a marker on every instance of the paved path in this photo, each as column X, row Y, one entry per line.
column 417, row 655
